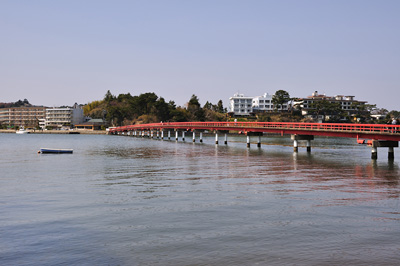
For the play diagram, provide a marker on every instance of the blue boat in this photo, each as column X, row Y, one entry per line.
column 46, row 150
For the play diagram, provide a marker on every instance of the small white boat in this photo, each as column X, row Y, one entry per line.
column 47, row 150
column 22, row 131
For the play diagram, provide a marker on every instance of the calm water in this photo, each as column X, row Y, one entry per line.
column 129, row 201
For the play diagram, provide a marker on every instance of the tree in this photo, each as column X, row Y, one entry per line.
column 279, row 98
column 208, row 106
column 109, row 97
column 363, row 111
column 324, row 108
column 195, row 110
column 220, row 107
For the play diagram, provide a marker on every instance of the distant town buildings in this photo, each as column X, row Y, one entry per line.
column 40, row 116
column 347, row 103
column 240, row 105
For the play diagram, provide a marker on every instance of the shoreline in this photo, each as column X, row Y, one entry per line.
column 66, row 132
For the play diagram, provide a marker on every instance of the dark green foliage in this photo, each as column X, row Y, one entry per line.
column 325, row 107
column 194, row 109
column 279, row 98
column 126, row 109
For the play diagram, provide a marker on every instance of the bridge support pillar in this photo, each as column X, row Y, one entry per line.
column 391, row 153
column 194, row 136
column 383, row 143
column 169, row 135
column 183, row 135
column 296, row 138
column 258, row 134
column 162, row 134
column 374, row 153
column 295, row 146
column 158, row 134
column 201, row 136
column 176, row 135
column 216, row 138
column 226, row 139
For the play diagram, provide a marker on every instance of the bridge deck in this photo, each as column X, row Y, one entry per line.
column 364, row 131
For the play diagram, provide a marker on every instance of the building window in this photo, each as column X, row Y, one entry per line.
column 261, row 101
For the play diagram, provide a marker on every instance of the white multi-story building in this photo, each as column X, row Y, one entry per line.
column 240, row 104
column 68, row 116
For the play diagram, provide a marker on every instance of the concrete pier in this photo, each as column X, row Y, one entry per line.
column 383, row 143
column 258, row 134
column 169, row 135
column 194, row 136
column 216, row 138
column 226, row 139
column 201, row 136
column 296, row 138
column 183, row 135
column 176, row 135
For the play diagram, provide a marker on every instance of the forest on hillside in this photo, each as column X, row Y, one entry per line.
column 126, row 109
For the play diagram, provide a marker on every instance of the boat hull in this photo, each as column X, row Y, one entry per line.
column 45, row 150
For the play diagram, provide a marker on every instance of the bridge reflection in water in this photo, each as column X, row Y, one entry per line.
column 373, row 135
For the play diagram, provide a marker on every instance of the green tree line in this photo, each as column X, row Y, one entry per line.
column 126, row 109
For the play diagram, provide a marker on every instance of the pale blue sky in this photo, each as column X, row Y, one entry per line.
column 61, row 52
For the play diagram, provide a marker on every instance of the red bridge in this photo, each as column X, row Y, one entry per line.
column 375, row 135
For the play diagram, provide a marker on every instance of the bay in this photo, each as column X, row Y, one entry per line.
column 121, row 200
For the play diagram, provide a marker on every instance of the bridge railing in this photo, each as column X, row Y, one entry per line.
column 342, row 127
